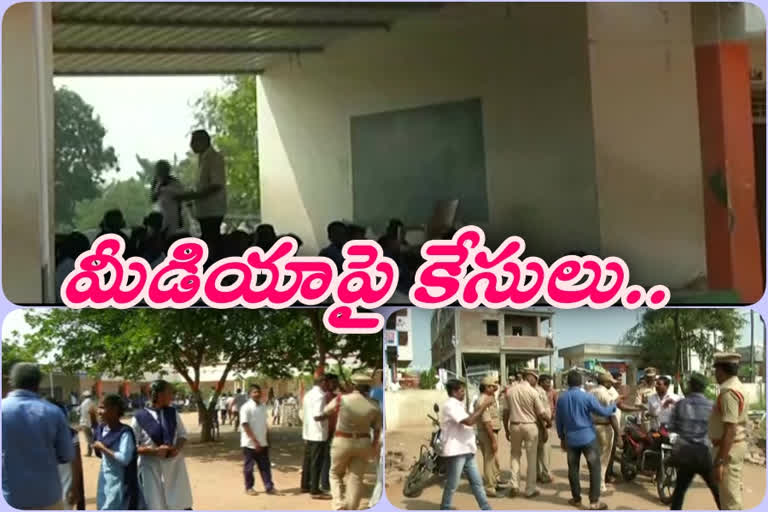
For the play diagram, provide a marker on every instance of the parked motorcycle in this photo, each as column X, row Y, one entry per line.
column 648, row 452
column 429, row 464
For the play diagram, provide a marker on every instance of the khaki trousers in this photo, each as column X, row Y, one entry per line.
column 543, row 456
column 349, row 458
column 491, row 469
column 527, row 433
column 605, row 443
column 730, row 486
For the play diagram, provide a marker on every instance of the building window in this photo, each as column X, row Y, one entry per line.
column 492, row 327
column 402, row 339
column 517, row 330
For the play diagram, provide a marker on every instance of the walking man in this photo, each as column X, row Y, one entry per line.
column 331, row 392
column 727, row 429
column 691, row 451
column 88, row 420
column 544, row 453
column 36, row 439
column 577, row 438
column 160, row 436
column 487, row 434
column 254, row 440
column 606, row 428
column 522, row 414
column 353, row 446
column 459, row 445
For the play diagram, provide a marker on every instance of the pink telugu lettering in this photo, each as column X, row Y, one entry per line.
column 460, row 271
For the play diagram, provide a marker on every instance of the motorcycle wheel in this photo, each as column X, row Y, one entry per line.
column 417, row 479
column 628, row 464
column 666, row 479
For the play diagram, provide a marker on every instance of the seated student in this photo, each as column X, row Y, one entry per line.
column 265, row 237
column 153, row 248
column 338, row 236
column 118, row 486
column 73, row 246
column 238, row 242
column 390, row 245
column 113, row 223
column 136, row 241
column 356, row 232
column 299, row 241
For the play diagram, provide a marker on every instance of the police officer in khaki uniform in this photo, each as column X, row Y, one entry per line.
column 544, row 451
column 727, row 429
column 352, row 447
column 607, row 429
column 644, row 390
column 487, row 435
column 522, row 414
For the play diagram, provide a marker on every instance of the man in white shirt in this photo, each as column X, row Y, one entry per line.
column 661, row 404
column 315, row 435
column 211, row 194
column 88, row 420
column 255, row 443
column 459, row 444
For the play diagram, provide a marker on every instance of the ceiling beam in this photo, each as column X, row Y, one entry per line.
column 213, row 25
column 330, row 6
column 146, row 50
column 181, row 72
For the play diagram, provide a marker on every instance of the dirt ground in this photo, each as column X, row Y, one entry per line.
column 216, row 472
column 637, row 495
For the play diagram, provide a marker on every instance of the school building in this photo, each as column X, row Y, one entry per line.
column 620, row 129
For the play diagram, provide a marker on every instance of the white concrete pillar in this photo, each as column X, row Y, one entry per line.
column 28, row 177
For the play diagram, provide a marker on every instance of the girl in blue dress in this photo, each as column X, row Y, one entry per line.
column 115, row 444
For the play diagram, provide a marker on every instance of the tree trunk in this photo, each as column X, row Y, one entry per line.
column 206, row 428
column 678, row 351
column 317, row 326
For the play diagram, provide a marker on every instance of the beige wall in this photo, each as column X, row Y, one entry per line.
column 536, row 122
column 647, row 139
column 27, row 166
column 409, row 408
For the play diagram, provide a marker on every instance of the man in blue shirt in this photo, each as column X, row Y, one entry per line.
column 577, row 436
column 36, row 439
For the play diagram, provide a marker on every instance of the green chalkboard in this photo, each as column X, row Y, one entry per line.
column 405, row 160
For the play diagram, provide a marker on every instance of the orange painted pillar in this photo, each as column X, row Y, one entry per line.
column 725, row 123
column 99, row 388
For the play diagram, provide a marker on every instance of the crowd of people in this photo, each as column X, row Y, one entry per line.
column 168, row 222
column 142, row 464
column 710, row 437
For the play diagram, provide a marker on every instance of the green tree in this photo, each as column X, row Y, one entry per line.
column 131, row 342
column 80, row 157
column 230, row 117
column 129, row 196
column 665, row 335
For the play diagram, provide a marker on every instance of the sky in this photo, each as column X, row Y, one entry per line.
column 577, row 326
column 148, row 116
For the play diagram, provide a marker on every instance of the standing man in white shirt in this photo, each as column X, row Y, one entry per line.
column 661, row 403
column 255, row 442
column 211, row 194
column 315, row 435
column 460, row 445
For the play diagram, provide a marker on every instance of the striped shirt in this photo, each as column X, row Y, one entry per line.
column 690, row 418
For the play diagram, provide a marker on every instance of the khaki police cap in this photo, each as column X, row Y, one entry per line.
column 727, row 358
column 651, row 372
column 360, row 379
column 490, row 381
column 530, row 371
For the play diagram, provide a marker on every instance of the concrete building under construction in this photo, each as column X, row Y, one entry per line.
column 470, row 343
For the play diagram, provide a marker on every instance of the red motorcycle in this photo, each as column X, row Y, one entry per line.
column 648, row 452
